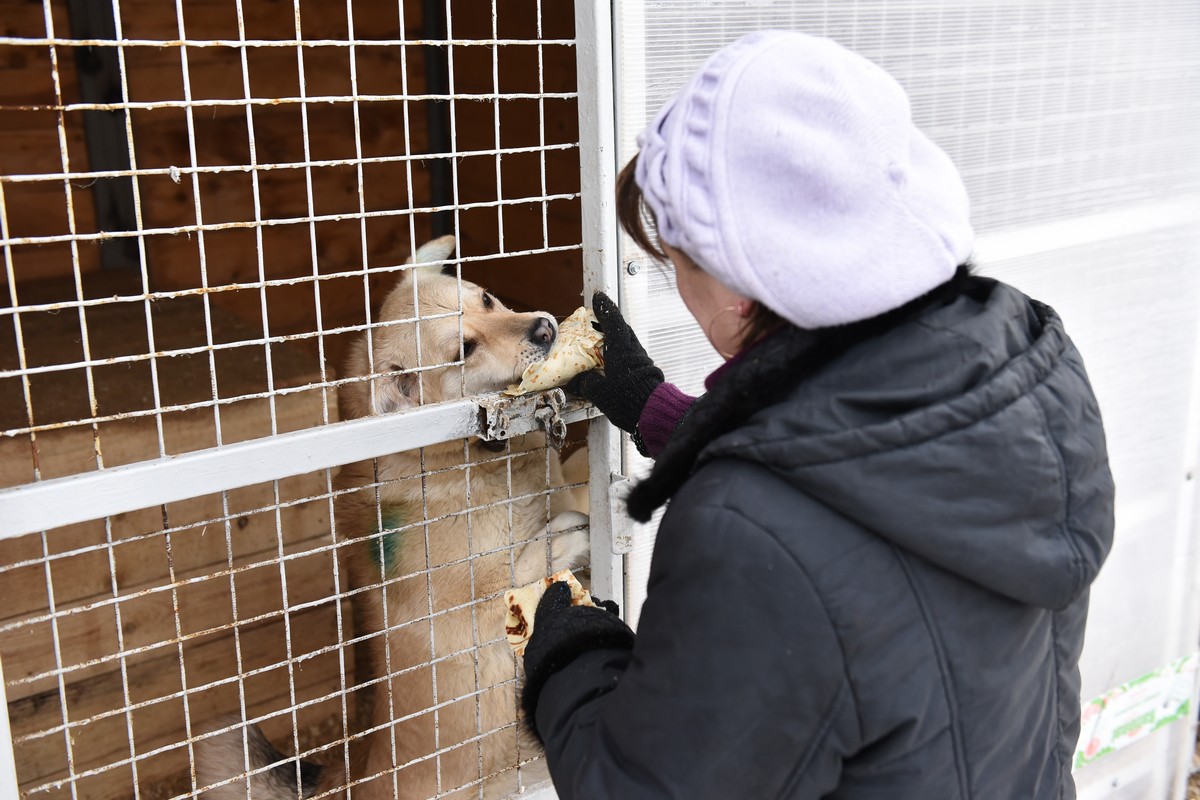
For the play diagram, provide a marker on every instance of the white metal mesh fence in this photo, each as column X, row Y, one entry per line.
column 279, row 168
column 203, row 208
column 130, row 639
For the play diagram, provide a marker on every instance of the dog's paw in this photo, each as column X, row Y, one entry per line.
column 570, row 543
column 567, row 520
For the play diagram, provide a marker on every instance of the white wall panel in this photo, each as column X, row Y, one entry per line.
column 1076, row 126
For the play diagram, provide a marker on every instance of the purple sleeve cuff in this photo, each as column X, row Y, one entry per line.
column 660, row 415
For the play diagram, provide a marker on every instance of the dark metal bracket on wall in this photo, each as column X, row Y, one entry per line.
column 99, row 74
column 437, row 121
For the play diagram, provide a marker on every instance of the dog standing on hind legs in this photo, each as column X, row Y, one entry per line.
column 433, row 537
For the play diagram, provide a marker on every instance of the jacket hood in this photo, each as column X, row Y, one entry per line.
column 969, row 436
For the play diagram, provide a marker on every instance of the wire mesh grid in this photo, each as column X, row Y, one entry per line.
column 278, row 173
column 1050, row 110
column 204, row 211
column 133, row 640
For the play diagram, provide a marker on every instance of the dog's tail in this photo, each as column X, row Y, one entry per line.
column 242, row 760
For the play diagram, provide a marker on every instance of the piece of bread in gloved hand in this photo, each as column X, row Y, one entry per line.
column 576, row 349
column 522, row 603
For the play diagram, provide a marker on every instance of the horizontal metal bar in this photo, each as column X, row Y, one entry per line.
column 273, row 166
column 218, row 347
column 150, row 105
column 1029, row 240
column 289, row 43
column 268, row 223
column 272, row 283
column 65, row 501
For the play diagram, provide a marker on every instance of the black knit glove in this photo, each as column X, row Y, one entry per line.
column 629, row 376
column 561, row 633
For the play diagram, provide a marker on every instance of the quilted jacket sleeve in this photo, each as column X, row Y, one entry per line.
column 735, row 686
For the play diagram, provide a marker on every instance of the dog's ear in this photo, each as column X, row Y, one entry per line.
column 396, row 392
column 434, row 254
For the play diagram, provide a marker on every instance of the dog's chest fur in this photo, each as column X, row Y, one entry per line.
column 474, row 508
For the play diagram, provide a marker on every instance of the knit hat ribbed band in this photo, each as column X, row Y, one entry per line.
column 789, row 168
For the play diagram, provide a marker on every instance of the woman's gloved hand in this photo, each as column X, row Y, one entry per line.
column 629, row 376
column 561, row 633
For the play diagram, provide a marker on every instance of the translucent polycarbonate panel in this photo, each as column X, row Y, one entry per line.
column 1076, row 126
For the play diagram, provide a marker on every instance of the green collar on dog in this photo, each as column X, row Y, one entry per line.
column 384, row 542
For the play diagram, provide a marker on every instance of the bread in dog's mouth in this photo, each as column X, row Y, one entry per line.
column 578, row 348
column 522, row 603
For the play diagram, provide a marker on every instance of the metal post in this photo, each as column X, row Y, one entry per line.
column 437, row 117
column 597, row 164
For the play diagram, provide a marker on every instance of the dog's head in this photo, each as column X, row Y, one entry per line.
column 421, row 314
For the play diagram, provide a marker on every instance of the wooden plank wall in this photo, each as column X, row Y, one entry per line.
column 174, row 592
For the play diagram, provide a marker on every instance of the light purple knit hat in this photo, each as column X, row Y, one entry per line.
column 789, row 168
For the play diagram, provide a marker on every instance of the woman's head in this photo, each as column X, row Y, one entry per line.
column 730, row 320
column 789, row 170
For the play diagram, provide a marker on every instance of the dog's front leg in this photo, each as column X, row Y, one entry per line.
column 572, row 472
column 569, row 545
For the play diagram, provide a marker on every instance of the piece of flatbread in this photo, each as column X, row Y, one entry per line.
column 522, row 602
column 577, row 349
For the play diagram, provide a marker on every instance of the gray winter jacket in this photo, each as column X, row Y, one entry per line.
column 875, row 589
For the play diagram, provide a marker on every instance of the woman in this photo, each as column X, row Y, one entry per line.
column 871, row 579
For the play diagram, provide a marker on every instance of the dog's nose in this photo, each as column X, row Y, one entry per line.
column 542, row 331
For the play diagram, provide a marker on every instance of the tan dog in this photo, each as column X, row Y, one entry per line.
column 436, row 536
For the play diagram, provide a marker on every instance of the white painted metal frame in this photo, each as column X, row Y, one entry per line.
column 597, row 163
column 50, row 504
column 1104, row 226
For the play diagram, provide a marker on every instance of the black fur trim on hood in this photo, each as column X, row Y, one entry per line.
column 763, row 377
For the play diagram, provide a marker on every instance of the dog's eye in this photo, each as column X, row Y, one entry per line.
column 468, row 347
column 488, row 302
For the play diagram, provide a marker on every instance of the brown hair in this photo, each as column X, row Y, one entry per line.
column 638, row 221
